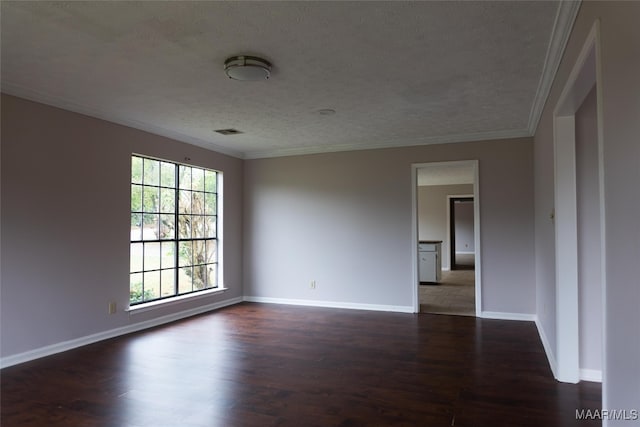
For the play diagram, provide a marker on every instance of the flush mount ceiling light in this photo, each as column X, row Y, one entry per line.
column 247, row 68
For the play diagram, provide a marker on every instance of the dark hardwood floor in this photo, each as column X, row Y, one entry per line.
column 275, row 365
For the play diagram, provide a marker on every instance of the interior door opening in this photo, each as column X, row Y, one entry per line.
column 453, row 288
column 579, row 218
column 462, row 244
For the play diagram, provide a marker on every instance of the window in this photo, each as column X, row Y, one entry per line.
column 174, row 218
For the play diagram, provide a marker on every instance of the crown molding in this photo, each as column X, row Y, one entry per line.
column 399, row 143
column 21, row 92
column 562, row 26
column 54, row 101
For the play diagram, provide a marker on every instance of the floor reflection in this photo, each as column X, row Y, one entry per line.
column 164, row 385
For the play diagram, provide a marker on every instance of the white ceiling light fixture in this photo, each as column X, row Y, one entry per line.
column 247, row 68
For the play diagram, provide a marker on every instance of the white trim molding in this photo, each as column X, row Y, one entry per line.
column 499, row 315
column 593, row 375
column 158, row 304
column 393, row 143
column 477, row 243
column 565, row 17
column 547, row 348
column 331, row 304
column 112, row 333
column 584, row 74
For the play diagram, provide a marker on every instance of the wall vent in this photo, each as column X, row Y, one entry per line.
column 228, row 131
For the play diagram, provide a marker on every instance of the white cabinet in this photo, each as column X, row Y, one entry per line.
column 430, row 261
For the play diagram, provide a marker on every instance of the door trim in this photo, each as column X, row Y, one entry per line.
column 476, row 232
column 451, row 226
column 585, row 73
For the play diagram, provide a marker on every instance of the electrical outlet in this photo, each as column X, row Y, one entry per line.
column 312, row 285
column 112, row 307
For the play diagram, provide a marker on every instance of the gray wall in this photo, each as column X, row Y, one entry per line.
column 620, row 66
column 344, row 220
column 65, row 223
column 432, row 214
column 589, row 242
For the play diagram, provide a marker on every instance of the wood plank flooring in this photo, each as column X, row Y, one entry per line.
column 276, row 365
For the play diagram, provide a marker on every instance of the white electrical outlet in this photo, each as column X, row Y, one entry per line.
column 112, row 307
column 312, row 285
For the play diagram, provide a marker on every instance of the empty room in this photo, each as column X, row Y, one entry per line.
column 213, row 213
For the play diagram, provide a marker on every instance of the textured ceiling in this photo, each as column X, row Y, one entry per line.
column 397, row 73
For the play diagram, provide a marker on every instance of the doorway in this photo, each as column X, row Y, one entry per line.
column 461, row 238
column 444, row 180
column 579, row 218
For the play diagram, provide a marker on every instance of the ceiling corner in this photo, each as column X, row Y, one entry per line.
column 57, row 102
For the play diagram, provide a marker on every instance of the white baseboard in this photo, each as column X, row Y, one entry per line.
column 100, row 336
column 585, row 374
column 547, row 348
column 332, row 304
column 593, row 375
column 508, row 316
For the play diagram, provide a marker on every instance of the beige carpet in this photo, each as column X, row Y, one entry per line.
column 454, row 295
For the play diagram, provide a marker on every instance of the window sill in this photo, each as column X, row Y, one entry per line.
column 141, row 308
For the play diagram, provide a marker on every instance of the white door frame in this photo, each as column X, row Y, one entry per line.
column 585, row 73
column 448, row 235
column 476, row 232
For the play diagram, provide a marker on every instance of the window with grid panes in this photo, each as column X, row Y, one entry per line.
column 174, row 245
